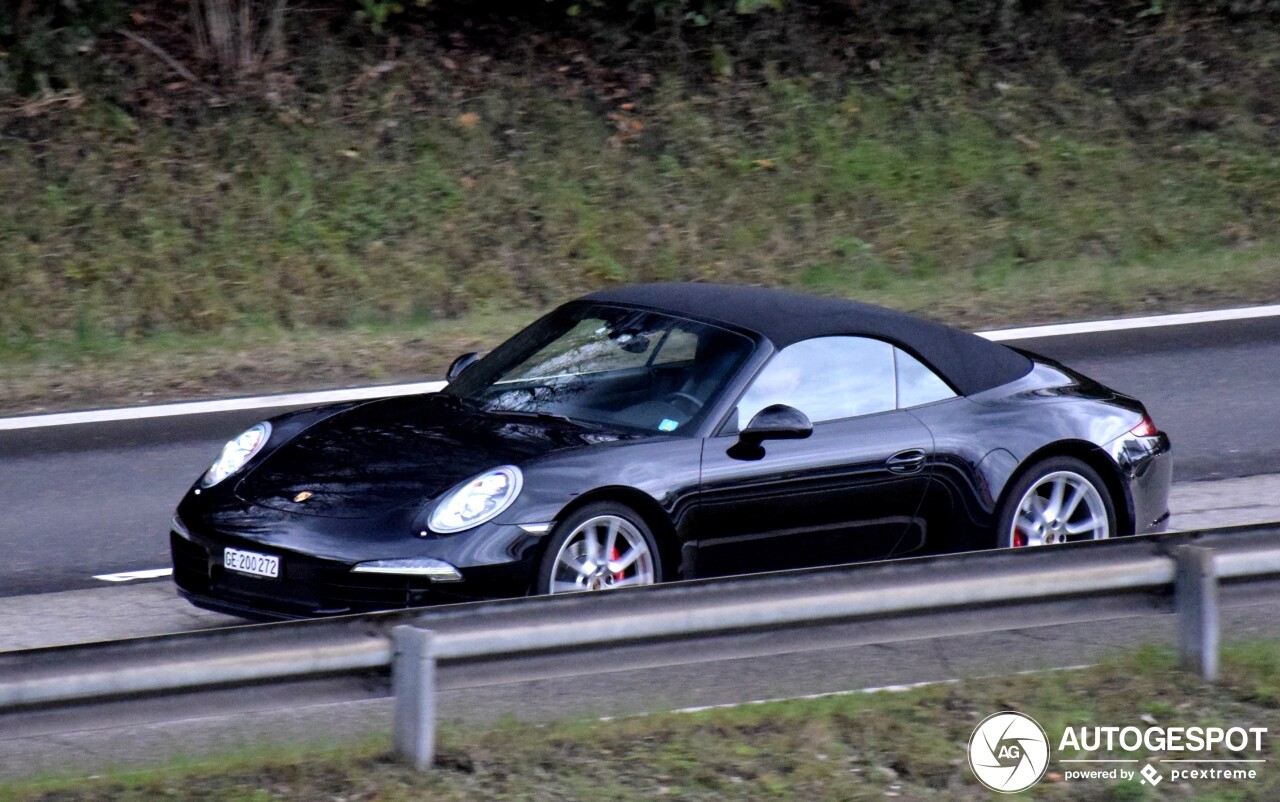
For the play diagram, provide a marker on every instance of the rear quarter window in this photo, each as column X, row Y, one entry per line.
column 917, row 384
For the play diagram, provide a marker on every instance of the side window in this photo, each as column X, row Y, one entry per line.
column 826, row 378
column 917, row 384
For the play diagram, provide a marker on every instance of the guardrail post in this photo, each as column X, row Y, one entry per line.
column 1196, row 602
column 413, row 681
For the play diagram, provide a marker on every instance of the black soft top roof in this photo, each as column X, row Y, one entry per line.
column 970, row 363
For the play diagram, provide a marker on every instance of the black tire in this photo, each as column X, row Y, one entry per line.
column 1040, row 473
column 632, row 526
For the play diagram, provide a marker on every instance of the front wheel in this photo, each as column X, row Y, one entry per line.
column 1059, row 500
column 601, row 546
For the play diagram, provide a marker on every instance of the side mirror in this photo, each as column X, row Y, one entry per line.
column 460, row 364
column 777, row 422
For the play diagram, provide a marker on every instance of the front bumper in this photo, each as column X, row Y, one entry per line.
column 310, row 586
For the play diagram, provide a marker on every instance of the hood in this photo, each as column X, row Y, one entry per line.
column 395, row 452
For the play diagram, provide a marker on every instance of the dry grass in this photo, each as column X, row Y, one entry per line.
column 113, row 372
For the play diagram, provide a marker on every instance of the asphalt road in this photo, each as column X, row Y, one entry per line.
column 1212, row 386
column 89, row 499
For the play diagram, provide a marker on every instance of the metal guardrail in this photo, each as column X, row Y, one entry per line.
column 410, row 654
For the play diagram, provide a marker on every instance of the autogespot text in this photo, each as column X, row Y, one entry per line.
column 1162, row 739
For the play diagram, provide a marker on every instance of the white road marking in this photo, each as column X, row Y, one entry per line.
column 1124, row 324
column 364, row 393
column 808, row 696
column 129, row 576
column 223, row 405
column 858, row 691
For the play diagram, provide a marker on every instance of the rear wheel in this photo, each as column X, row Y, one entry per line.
column 601, row 546
column 1059, row 500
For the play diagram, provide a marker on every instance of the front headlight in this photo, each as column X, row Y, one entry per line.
column 236, row 453
column 479, row 499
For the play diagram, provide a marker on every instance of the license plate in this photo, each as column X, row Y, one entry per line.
column 251, row 562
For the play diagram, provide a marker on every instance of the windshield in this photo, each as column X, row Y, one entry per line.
column 607, row 365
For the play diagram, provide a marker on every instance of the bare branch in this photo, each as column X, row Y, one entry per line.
column 218, row 13
column 173, row 63
column 201, row 31
column 245, row 36
column 272, row 46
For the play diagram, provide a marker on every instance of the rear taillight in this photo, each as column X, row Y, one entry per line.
column 1147, row 428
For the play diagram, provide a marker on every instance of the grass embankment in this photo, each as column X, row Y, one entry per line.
column 306, row 233
column 908, row 745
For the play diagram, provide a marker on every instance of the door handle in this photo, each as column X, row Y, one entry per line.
column 909, row 461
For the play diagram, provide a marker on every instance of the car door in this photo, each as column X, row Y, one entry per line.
column 851, row 491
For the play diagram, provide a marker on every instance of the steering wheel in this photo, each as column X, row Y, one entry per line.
column 684, row 402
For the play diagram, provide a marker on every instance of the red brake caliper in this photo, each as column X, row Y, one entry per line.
column 613, row 555
column 1019, row 539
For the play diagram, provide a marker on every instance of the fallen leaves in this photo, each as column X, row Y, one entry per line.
column 628, row 128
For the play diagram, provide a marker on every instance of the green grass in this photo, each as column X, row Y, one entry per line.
column 907, row 745
column 976, row 191
column 134, row 230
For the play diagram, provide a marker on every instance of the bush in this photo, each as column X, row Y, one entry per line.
column 41, row 41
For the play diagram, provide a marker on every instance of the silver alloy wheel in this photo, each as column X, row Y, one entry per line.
column 604, row 552
column 1061, row 506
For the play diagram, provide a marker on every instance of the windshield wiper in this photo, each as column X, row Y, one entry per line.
column 542, row 416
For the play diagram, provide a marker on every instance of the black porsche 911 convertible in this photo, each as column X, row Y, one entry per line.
column 668, row 431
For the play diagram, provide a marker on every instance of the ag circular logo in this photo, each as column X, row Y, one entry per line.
column 1009, row 752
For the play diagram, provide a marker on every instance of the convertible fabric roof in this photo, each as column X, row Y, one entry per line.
column 970, row 363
